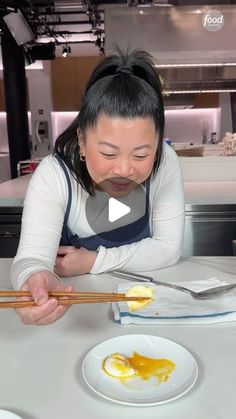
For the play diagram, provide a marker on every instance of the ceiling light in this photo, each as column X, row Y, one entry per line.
column 195, row 65
column 19, row 27
column 175, row 92
column 66, row 50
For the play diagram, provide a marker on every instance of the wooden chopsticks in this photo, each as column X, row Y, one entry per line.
column 66, row 298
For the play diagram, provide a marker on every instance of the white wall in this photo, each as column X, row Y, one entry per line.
column 185, row 125
column 3, row 132
column 181, row 125
column 60, row 121
column 226, row 114
column 40, row 101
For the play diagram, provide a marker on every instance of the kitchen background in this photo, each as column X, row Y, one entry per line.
column 197, row 66
column 62, row 41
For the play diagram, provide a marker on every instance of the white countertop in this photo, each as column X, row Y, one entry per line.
column 41, row 366
column 5, row 172
column 12, row 192
column 209, row 169
column 210, row 193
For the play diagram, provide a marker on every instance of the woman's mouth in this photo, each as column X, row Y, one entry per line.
column 120, row 185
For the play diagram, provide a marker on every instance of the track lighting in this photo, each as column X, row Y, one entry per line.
column 66, row 50
column 100, row 42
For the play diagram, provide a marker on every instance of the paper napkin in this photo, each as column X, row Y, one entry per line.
column 174, row 307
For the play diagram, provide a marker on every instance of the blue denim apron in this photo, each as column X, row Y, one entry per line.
column 113, row 238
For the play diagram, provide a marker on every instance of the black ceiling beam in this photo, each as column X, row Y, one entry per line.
column 67, row 13
column 201, row 2
column 74, row 22
column 97, row 2
column 75, row 42
column 36, row 3
column 67, row 33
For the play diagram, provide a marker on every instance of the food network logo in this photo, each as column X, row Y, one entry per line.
column 213, row 20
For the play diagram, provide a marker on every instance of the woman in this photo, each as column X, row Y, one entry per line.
column 112, row 149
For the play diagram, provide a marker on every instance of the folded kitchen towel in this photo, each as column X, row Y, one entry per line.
column 174, row 307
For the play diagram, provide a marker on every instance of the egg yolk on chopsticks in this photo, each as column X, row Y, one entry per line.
column 140, row 291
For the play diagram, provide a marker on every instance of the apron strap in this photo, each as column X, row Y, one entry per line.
column 63, row 166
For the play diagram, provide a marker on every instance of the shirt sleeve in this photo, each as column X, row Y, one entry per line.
column 42, row 221
column 164, row 246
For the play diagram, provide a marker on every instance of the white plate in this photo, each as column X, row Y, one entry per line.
column 4, row 414
column 135, row 391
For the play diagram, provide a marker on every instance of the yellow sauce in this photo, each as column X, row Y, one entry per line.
column 147, row 367
column 142, row 366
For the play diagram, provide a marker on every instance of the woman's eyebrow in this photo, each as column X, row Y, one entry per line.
column 109, row 144
column 117, row 148
column 142, row 146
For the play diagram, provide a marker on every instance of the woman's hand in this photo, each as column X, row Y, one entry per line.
column 72, row 261
column 47, row 310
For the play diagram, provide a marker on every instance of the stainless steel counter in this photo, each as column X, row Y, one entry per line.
column 209, row 230
column 210, row 217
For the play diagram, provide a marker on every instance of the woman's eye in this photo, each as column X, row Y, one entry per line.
column 108, row 155
column 140, row 157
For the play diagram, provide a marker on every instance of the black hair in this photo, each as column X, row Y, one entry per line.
column 122, row 85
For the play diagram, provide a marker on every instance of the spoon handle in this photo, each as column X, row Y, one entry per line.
column 144, row 278
column 131, row 276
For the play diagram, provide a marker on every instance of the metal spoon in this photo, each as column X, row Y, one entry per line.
column 209, row 293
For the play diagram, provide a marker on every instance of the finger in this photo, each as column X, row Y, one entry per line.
column 58, row 262
column 69, row 288
column 62, row 266
column 46, row 314
column 31, row 315
column 53, row 317
column 58, row 266
column 24, row 288
column 39, row 295
column 63, row 250
column 57, row 313
column 37, row 285
column 34, row 288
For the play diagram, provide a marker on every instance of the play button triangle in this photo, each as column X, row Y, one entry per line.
column 117, row 209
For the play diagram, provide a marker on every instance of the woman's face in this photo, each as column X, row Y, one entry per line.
column 119, row 153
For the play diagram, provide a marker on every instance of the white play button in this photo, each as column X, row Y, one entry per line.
column 108, row 215
column 116, row 210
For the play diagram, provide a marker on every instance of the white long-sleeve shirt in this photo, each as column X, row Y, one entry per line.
column 44, row 211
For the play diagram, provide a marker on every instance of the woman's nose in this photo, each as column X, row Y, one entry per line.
column 123, row 168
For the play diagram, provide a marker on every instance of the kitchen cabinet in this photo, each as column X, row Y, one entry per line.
column 69, row 77
column 210, row 216
column 210, row 230
column 12, row 195
column 10, row 226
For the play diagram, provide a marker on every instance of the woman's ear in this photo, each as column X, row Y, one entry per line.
column 81, row 141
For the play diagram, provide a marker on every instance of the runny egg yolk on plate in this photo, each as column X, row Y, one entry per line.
column 139, row 291
column 137, row 365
